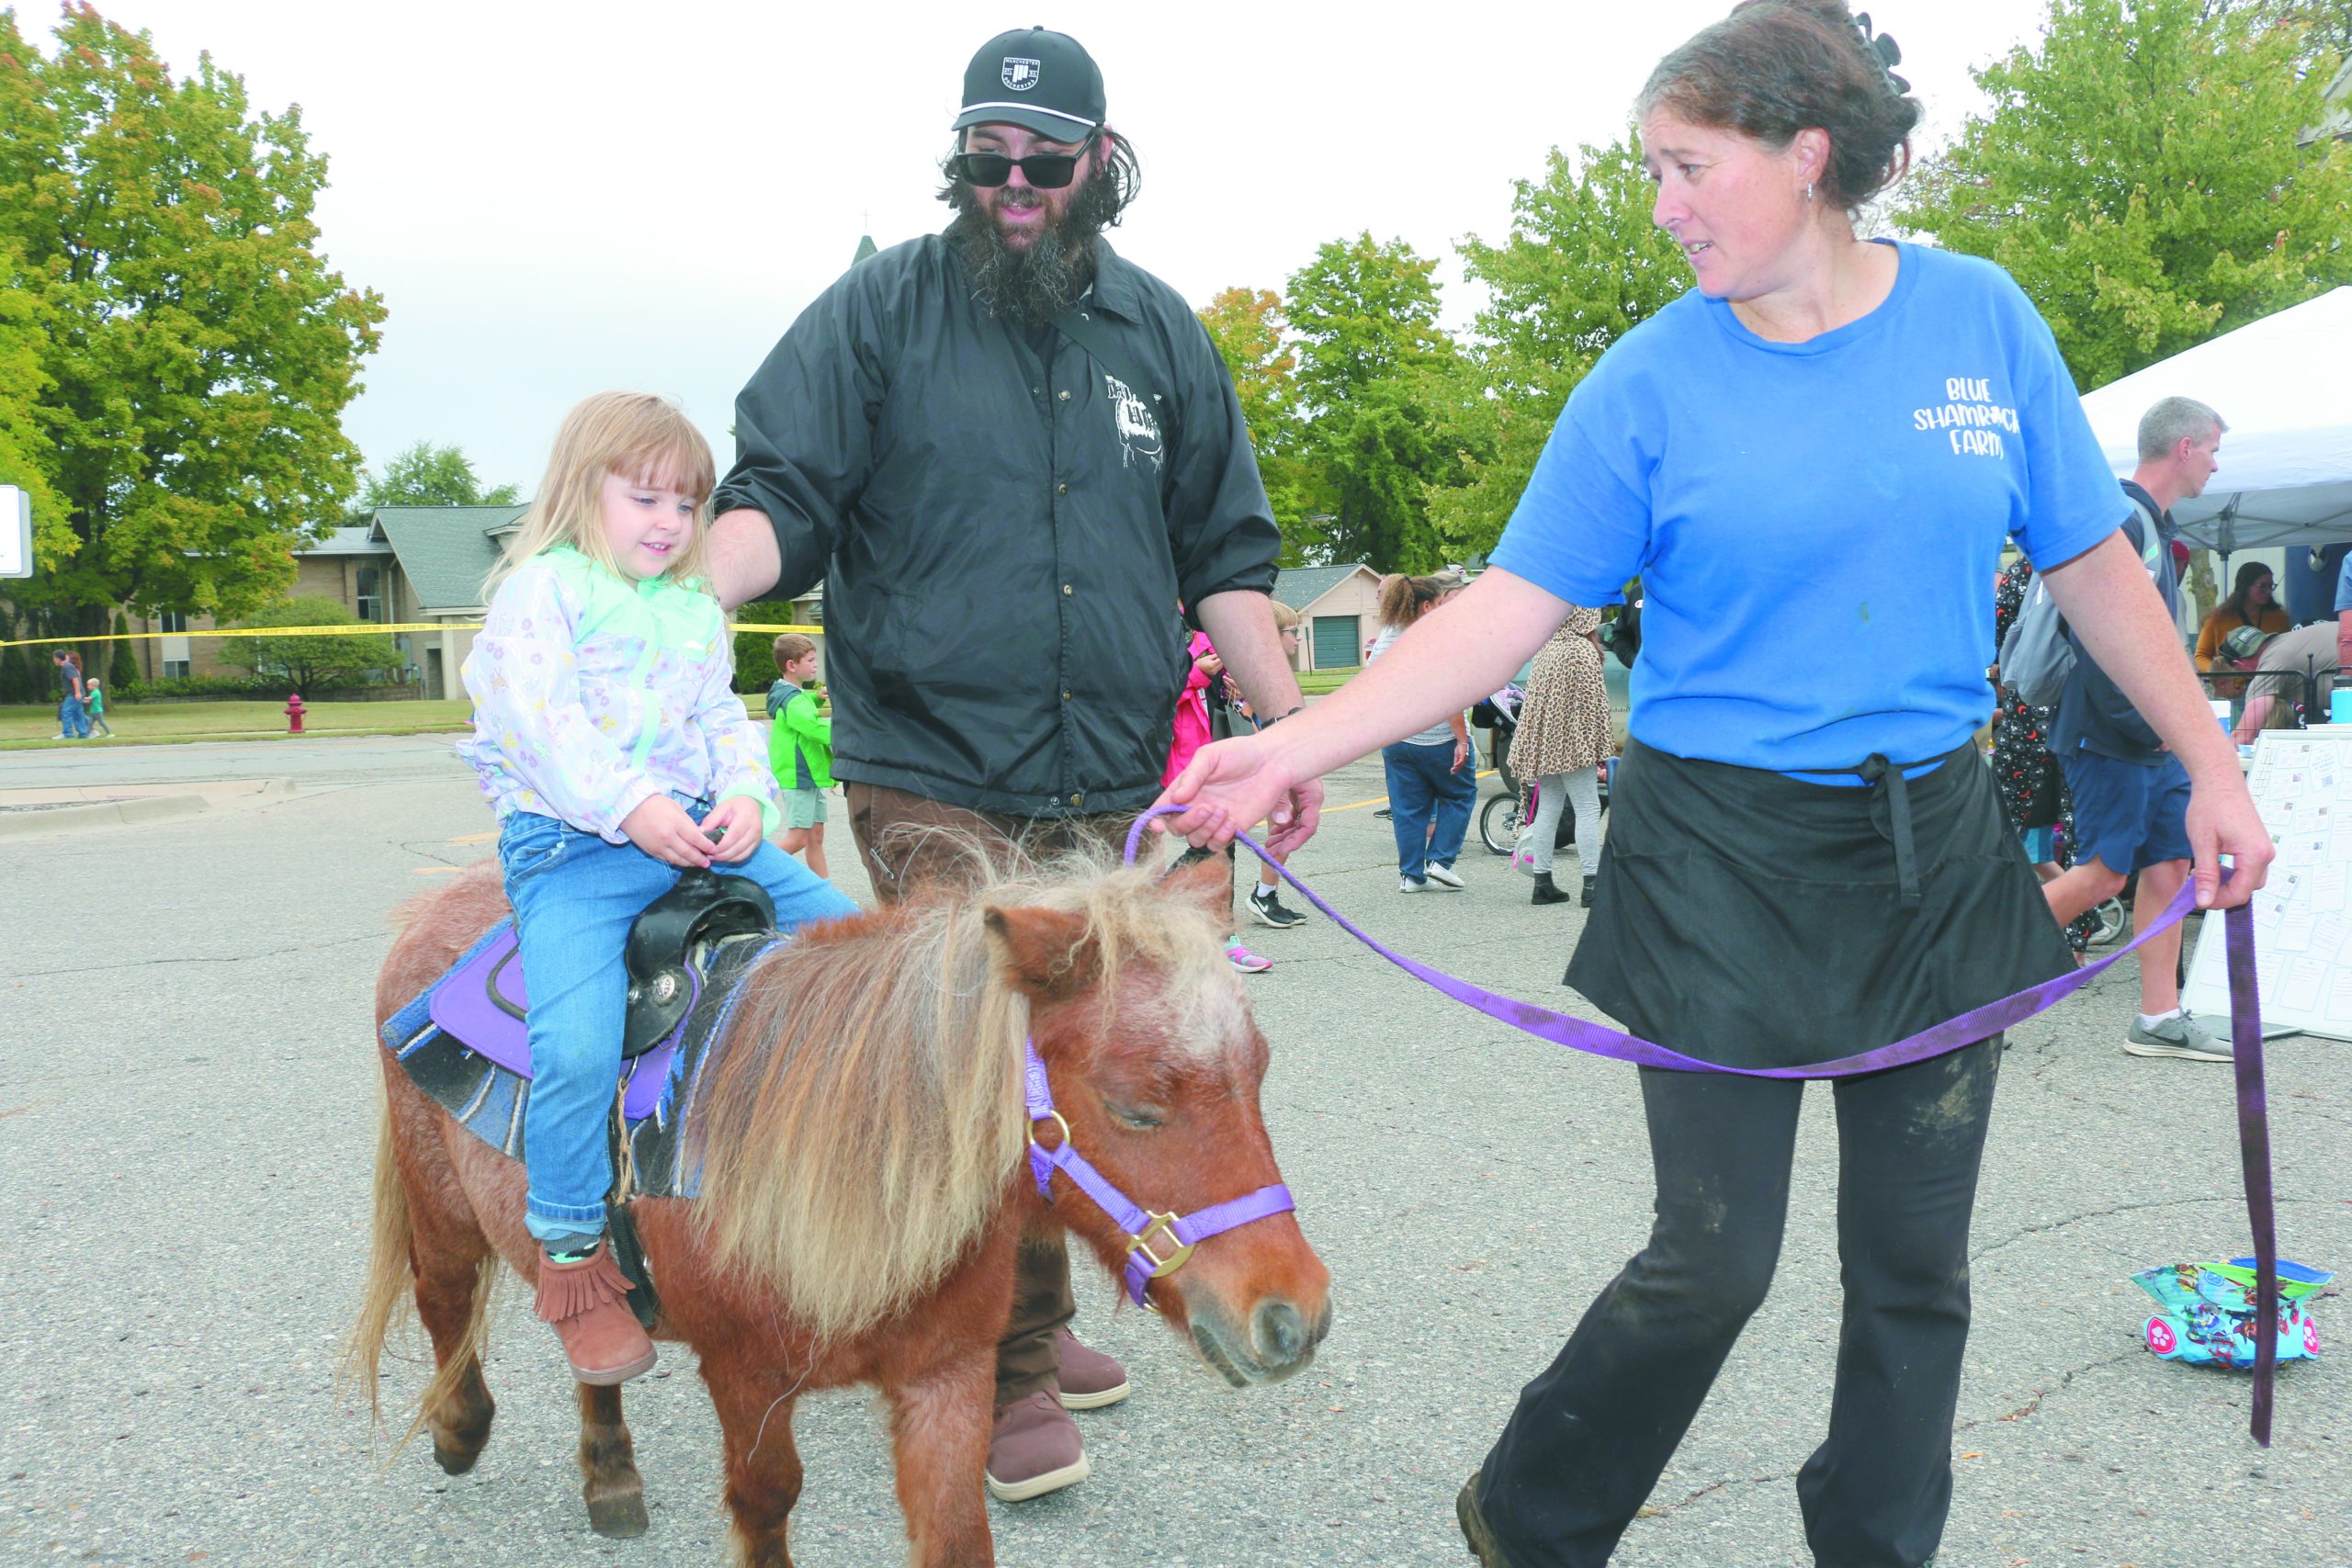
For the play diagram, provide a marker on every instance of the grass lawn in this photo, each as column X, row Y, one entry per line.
column 23, row 727
column 1312, row 683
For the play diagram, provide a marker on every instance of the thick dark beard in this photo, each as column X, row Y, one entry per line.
column 1034, row 284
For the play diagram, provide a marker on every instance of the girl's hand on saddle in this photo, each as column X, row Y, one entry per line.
column 740, row 816
column 661, row 829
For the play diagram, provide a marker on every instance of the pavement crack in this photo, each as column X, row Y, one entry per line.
column 1662, row 1510
column 2034, row 1405
column 182, row 958
column 2109, row 1211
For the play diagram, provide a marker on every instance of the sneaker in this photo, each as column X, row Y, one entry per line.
column 2179, row 1035
column 1380, row 810
column 1411, row 884
column 1033, row 1450
column 586, row 1300
column 1268, row 909
column 1241, row 958
column 1445, row 876
column 1089, row 1380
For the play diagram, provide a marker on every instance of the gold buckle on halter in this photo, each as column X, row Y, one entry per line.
column 1160, row 1267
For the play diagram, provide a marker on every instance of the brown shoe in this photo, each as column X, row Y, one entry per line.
column 1089, row 1380
column 587, row 1299
column 1475, row 1533
column 1034, row 1449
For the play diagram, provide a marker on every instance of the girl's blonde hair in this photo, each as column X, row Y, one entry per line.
column 642, row 438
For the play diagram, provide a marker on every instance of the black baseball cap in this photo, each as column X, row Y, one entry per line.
column 1043, row 81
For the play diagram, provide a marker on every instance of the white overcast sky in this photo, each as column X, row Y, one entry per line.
column 556, row 199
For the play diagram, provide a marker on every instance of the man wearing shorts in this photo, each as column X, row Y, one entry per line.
column 2131, row 792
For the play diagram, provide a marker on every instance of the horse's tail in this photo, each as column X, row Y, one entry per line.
column 391, row 1282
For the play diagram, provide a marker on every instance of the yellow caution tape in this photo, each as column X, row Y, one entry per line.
column 364, row 630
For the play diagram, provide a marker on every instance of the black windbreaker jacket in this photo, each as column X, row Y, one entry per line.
column 1004, row 528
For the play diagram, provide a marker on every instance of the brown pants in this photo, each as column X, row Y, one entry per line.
column 904, row 859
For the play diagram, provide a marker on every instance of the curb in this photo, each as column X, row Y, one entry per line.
column 99, row 814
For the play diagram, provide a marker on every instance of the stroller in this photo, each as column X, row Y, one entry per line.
column 1502, row 818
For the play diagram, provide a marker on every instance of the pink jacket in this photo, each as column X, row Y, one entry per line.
column 1192, row 712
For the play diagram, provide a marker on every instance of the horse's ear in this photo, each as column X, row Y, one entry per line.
column 1046, row 952
column 1208, row 883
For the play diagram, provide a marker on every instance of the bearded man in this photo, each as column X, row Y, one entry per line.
column 1010, row 455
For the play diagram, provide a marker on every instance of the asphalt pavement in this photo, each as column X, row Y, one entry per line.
column 187, row 1102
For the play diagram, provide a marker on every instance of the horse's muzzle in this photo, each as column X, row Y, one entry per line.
column 1279, row 1342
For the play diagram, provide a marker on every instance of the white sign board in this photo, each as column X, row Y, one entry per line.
column 2301, row 783
column 16, row 531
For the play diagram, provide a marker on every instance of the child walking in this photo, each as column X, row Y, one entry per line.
column 609, row 739
column 97, row 708
column 800, row 748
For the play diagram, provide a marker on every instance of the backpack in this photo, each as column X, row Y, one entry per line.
column 2036, row 657
column 1623, row 633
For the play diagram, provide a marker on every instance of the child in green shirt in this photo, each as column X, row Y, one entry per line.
column 800, row 748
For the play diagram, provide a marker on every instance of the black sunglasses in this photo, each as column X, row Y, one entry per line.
column 1047, row 171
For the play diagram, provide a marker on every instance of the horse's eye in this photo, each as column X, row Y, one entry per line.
column 1141, row 1120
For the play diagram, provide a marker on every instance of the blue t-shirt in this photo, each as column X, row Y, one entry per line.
column 2344, row 585
column 1817, row 525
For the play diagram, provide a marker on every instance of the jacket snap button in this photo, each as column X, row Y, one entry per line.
column 1065, row 394
column 1061, row 490
column 1068, row 590
column 1078, row 800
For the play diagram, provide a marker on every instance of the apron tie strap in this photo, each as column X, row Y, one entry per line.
column 1877, row 770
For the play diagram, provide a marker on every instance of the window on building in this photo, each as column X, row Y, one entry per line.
column 369, row 594
column 172, row 622
column 176, row 669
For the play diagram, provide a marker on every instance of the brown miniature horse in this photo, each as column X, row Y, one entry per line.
column 863, row 1136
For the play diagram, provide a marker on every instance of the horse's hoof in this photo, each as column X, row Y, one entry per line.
column 621, row 1517
column 454, row 1461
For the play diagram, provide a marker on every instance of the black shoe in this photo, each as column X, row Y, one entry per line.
column 1380, row 811
column 1586, row 901
column 1268, row 909
column 1546, row 890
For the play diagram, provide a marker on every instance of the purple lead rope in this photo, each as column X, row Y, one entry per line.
column 1977, row 1023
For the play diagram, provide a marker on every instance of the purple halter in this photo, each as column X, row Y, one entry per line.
column 1977, row 1023
column 1179, row 1233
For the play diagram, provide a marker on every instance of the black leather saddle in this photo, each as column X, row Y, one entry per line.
column 668, row 945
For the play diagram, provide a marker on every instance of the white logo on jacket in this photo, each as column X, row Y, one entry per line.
column 1132, row 417
column 1020, row 74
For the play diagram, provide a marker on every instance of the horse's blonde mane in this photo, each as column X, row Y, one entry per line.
column 863, row 1113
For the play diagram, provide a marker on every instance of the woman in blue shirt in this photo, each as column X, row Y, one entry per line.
column 1811, row 461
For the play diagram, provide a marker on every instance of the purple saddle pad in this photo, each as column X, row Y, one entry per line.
column 482, row 1000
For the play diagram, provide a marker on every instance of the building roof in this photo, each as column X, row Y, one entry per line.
column 1299, row 586
column 446, row 551
column 361, row 540
column 864, row 249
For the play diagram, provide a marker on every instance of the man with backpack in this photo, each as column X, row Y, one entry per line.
column 2131, row 792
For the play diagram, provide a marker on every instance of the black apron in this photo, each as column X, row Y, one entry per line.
column 1745, row 917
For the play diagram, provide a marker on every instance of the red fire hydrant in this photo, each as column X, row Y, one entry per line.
column 294, row 714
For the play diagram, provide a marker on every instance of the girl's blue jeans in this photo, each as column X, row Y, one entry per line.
column 1423, row 788
column 575, row 898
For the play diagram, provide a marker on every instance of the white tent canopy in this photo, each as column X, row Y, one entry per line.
column 2284, row 387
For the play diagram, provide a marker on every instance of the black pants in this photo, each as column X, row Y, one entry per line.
column 1590, row 1436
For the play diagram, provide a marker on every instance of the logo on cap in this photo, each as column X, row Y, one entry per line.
column 1020, row 74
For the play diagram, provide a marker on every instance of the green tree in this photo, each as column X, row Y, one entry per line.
column 2138, row 174
column 1247, row 325
column 308, row 663
column 122, row 665
column 1373, row 362
column 755, row 668
column 426, row 475
column 1582, row 266
column 199, row 350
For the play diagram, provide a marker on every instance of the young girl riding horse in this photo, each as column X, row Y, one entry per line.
column 609, row 738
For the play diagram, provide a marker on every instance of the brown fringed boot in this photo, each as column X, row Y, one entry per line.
column 587, row 1301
